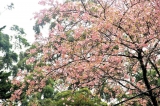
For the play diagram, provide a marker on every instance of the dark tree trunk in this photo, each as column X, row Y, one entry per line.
column 145, row 79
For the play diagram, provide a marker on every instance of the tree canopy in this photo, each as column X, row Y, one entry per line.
column 109, row 46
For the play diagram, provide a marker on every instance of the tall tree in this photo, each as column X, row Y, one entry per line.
column 8, row 58
column 5, row 86
column 107, row 45
column 5, row 62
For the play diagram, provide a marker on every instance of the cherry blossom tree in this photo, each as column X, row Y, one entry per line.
column 109, row 46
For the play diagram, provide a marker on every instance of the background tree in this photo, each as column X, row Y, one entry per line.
column 5, row 62
column 8, row 67
column 9, row 57
column 5, row 86
column 109, row 46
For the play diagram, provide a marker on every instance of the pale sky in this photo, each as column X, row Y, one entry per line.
column 21, row 15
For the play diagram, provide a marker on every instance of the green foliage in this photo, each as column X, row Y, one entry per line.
column 8, row 61
column 36, row 28
column 53, row 24
column 9, row 58
column 17, row 29
column 2, row 28
column 5, row 85
column 81, row 97
column 4, row 42
column 22, row 40
column 48, row 91
column 70, row 38
column 47, row 102
column 151, row 74
column 158, row 81
column 23, row 56
column 116, row 47
column 15, row 70
column 41, row 98
column 49, row 96
column 1, row 64
column 19, row 37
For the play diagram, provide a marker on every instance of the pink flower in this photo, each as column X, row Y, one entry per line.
column 42, row 2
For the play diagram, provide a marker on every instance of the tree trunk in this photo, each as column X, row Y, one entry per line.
column 145, row 79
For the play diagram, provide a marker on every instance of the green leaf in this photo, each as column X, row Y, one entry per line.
column 158, row 81
column 116, row 47
column 53, row 24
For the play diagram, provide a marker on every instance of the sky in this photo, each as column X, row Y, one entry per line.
column 22, row 15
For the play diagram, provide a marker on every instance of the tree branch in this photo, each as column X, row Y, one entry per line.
column 136, row 96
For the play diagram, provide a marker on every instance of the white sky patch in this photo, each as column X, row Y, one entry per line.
column 21, row 15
